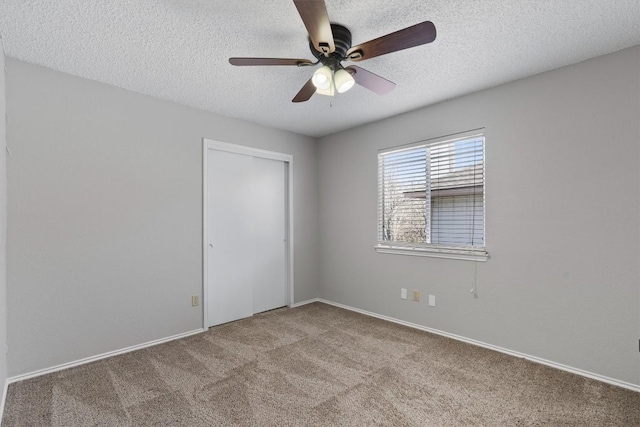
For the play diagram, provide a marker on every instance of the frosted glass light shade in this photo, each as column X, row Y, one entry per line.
column 330, row 91
column 343, row 80
column 322, row 78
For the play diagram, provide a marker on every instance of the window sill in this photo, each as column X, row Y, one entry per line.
column 433, row 252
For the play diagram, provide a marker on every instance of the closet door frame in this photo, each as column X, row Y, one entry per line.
column 210, row 144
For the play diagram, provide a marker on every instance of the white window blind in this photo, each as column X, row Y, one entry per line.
column 432, row 195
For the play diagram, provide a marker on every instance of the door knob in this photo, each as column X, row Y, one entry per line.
column 210, row 245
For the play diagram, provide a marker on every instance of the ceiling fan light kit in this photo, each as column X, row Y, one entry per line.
column 324, row 78
column 331, row 44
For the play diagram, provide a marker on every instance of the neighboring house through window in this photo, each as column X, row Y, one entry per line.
column 431, row 198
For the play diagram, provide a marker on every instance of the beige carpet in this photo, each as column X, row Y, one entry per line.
column 316, row 365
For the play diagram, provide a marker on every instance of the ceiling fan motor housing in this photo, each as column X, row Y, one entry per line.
column 342, row 41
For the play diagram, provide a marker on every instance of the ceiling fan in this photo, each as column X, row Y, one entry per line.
column 331, row 44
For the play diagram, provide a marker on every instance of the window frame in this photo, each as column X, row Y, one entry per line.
column 434, row 250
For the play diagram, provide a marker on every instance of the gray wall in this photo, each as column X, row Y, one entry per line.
column 3, row 226
column 104, row 239
column 562, row 211
column 105, row 215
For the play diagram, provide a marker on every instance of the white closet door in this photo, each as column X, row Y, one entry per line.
column 269, row 221
column 230, row 237
column 246, row 231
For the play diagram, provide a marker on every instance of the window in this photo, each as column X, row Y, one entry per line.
column 431, row 199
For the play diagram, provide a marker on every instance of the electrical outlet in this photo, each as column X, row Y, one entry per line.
column 416, row 295
column 194, row 301
column 403, row 293
column 432, row 300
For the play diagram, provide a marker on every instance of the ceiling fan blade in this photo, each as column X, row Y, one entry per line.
column 268, row 61
column 371, row 81
column 315, row 18
column 416, row 35
column 305, row 93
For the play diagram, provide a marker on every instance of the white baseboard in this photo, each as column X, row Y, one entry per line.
column 598, row 377
column 309, row 301
column 110, row 354
column 608, row 380
column 95, row 358
column 3, row 399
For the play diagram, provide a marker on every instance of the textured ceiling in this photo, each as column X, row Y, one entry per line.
column 177, row 49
